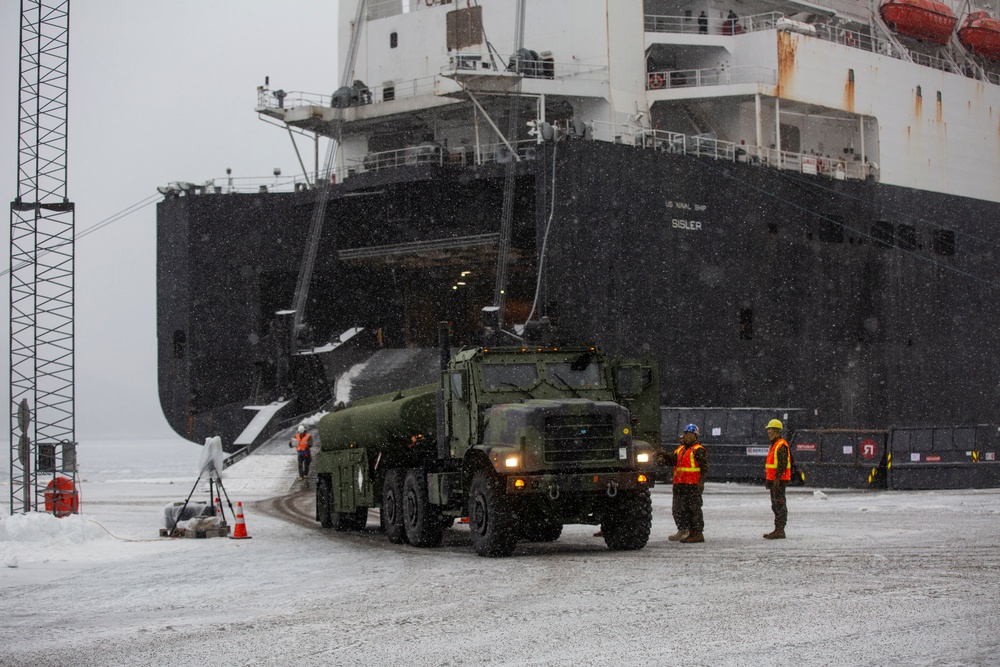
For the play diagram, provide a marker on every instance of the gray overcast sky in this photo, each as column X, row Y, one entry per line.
column 159, row 92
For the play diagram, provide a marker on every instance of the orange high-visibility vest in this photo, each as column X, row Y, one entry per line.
column 687, row 470
column 304, row 441
column 771, row 465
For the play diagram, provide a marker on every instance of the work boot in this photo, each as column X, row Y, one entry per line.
column 679, row 536
column 693, row 538
column 776, row 534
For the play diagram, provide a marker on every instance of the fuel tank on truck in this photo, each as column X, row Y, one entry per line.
column 381, row 422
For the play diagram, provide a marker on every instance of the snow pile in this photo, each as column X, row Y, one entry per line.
column 45, row 529
column 342, row 389
column 37, row 534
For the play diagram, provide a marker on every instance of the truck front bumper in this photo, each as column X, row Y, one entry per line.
column 557, row 484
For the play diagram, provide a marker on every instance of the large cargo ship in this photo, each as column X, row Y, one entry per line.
column 782, row 203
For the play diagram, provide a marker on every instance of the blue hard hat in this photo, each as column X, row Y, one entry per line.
column 691, row 428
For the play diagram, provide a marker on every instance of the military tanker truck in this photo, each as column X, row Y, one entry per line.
column 520, row 440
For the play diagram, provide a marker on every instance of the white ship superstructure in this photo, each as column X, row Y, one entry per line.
column 818, row 87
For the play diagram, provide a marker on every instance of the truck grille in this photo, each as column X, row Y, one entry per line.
column 578, row 438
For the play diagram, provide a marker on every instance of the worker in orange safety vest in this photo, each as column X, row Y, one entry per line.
column 690, row 461
column 302, row 442
column 777, row 475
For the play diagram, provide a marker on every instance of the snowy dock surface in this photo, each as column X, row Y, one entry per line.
column 863, row 578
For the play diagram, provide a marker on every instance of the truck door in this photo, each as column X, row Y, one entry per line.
column 457, row 398
column 637, row 387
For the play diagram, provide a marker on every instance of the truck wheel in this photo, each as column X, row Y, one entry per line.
column 628, row 520
column 324, row 500
column 421, row 519
column 392, row 507
column 491, row 523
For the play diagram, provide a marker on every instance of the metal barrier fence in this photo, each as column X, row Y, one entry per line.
column 945, row 457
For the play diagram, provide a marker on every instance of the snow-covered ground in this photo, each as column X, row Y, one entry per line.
column 900, row 578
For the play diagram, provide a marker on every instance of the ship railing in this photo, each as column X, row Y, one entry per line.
column 928, row 60
column 840, row 35
column 475, row 63
column 361, row 95
column 432, row 153
column 238, row 185
column 708, row 146
column 712, row 76
column 712, row 26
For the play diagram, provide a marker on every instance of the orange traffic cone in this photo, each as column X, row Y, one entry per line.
column 240, row 531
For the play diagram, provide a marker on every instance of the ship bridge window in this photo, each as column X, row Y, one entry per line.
column 944, row 242
column 906, row 237
column 393, row 40
column 883, row 234
column 832, row 229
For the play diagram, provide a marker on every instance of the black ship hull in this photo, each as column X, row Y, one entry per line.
column 867, row 304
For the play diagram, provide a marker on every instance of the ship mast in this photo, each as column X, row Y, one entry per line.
column 507, row 215
column 323, row 187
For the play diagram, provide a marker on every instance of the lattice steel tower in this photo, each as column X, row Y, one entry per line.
column 42, row 221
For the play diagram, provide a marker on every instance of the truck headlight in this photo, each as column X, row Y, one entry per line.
column 642, row 457
column 511, row 462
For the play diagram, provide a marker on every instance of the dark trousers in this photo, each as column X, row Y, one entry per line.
column 778, row 505
column 687, row 508
column 305, row 458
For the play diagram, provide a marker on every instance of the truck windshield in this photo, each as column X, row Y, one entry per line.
column 576, row 376
column 504, row 376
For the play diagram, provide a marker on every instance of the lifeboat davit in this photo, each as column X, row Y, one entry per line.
column 980, row 33
column 921, row 19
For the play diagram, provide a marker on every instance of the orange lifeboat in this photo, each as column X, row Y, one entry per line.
column 980, row 33
column 921, row 19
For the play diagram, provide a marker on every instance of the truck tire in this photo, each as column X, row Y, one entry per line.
column 628, row 520
column 324, row 500
column 491, row 522
column 421, row 519
column 392, row 507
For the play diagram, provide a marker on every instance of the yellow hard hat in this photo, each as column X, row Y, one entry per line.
column 775, row 423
